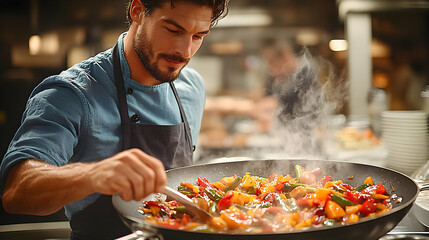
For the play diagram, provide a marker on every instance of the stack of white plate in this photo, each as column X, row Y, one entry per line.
column 405, row 135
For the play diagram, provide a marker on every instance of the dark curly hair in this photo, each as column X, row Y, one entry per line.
column 219, row 7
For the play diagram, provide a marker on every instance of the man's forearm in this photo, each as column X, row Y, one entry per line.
column 37, row 188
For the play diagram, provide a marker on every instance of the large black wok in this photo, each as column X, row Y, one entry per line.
column 368, row 228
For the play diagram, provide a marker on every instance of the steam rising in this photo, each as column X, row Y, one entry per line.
column 307, row 100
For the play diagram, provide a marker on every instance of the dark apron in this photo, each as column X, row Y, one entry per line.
column 171, row 144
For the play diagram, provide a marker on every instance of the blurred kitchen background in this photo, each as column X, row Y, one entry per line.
column 285, row 78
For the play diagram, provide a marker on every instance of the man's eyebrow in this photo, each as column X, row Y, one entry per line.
column 182, row 28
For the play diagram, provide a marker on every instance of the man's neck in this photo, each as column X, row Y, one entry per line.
column 138, row 71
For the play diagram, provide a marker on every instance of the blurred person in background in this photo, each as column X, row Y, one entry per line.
column 280, row 61
column 113, row 123
column 408, row 78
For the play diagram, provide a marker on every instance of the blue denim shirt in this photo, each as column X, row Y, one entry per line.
column 74, row 116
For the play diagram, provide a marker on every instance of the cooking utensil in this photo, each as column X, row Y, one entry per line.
column 188, row 203
column 367, row 228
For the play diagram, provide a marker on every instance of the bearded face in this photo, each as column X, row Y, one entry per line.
column 153, row 61
column 167, row 38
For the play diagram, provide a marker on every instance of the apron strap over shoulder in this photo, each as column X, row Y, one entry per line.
column 183, row 115
column 123, row 106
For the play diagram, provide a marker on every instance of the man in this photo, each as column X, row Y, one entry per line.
column 114, row 122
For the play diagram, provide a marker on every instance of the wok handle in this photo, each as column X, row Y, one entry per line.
column 424, row 186
column 137, row 235
column 140, row 235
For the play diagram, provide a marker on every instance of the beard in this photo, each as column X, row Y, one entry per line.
column 144, row 49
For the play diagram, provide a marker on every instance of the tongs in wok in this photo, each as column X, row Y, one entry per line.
column 188, row 203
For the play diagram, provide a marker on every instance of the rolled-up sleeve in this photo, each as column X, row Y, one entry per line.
column 51, row 126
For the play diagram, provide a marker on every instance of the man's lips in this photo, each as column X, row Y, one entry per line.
column 174, row 60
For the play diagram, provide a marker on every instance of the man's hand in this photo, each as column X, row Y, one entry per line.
column 131, row 173
column 37, row 188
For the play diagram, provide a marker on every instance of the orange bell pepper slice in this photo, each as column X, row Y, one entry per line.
column 334, row 210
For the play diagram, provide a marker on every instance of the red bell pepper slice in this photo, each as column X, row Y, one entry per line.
column 203, row 182
column 316, row 171
column 305, row 202
column 355, row 197
column 308, row 178
column 225, row 201
column 324, row 180
column 280, row 186
column 155, row 204
column 258, row 191
column 192, row 195
column 380, row 189
column 368, row 206
column 272, row 177
column 185, row 219
column 375, row 189
column 347, row 186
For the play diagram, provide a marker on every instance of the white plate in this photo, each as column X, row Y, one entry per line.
column 404, row 168
column 406, row 159
column 405, row 137
column 405, row 151
column 421, row 208
column 405, row 164
column 422, row 130
column 401, row 145
column 411, row 114
column 419, row 143
column 410, row 127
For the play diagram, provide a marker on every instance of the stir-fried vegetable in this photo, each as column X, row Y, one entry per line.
column 278, row 203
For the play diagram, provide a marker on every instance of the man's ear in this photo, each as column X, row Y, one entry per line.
column 137, row 11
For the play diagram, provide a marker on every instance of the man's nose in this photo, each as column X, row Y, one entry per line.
column 184, row 48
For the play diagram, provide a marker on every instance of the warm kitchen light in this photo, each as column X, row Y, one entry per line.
column 338, row 45
column 226, row 48
column 50, row 43
column 379, row 49
column 45, row 44
column 34, row 44
column 250, row 18
column 308, row 38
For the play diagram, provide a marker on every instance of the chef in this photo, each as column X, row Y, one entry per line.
column 114, row 122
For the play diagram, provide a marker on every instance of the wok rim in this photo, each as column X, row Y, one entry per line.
column 309, row 230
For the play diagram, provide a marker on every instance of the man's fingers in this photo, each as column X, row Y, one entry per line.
column 122, row 186
column 147, row 180
column 132, row 173
column 159, row 176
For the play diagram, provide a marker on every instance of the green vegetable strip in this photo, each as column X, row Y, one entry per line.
column 212, row 194
column 202, row 228
column 234, row 184
column 291, row 186
column 298, row 172
column 343, row 202
column 213, row 210
column 180, row 209
column 362, row 187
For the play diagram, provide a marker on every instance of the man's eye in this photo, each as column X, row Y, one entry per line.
column 172, row 31
column 198, row 37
